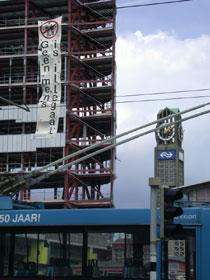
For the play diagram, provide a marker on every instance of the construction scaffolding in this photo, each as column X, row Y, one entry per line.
column 88, row 112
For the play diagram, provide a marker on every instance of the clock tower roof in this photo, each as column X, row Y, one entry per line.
column 173, row 110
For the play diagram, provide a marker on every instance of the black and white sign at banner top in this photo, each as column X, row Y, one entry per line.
column 49, row 29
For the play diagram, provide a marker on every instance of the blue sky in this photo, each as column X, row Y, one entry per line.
column 188, row 19
column 160, row 48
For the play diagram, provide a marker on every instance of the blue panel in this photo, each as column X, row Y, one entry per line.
column 74, row 217
column 88, row 217
column 198, row 252
column 166, row 154
column 204, row 247
column 198, row 218
column 5, row 202
column 191, row 216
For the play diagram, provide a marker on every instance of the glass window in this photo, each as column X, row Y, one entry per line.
column 44, row 254
column 180, row 257
column 75, row 252
column 4, row 253
column 92, row 254
column 118, row 254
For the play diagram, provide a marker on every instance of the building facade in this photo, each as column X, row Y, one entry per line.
column 87, row 105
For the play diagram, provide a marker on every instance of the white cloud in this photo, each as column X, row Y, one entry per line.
column 153, row 63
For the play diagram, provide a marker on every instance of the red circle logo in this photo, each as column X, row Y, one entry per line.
column 49, row 29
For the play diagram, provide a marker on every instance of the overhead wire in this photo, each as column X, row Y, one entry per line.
column 108, row 141
column 152, row 94
column 10, row 102
column 152, row 4
column 164, row 99
column 13, row 188
column 164, row 92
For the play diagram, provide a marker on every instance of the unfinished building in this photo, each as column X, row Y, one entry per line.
column 87, row 108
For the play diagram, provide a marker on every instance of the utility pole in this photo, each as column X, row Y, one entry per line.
column 154, row 184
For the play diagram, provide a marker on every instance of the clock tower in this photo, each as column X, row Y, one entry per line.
column 169, row 155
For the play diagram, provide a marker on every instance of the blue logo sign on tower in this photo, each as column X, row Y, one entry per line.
column 166, row 154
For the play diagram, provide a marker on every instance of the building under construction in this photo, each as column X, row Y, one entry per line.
column 87, row 114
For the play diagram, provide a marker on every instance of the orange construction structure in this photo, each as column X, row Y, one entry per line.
column 88, row 112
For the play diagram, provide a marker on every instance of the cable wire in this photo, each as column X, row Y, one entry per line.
column 163, row 99
column 163, row 92
column 152, row 4
column 14, row 188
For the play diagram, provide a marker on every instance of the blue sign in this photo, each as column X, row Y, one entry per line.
column 74, row 217
column 166, row 154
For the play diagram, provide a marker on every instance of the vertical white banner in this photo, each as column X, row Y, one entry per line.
column 49, row 55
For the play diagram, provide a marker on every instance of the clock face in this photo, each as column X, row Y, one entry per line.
column 166, row 133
